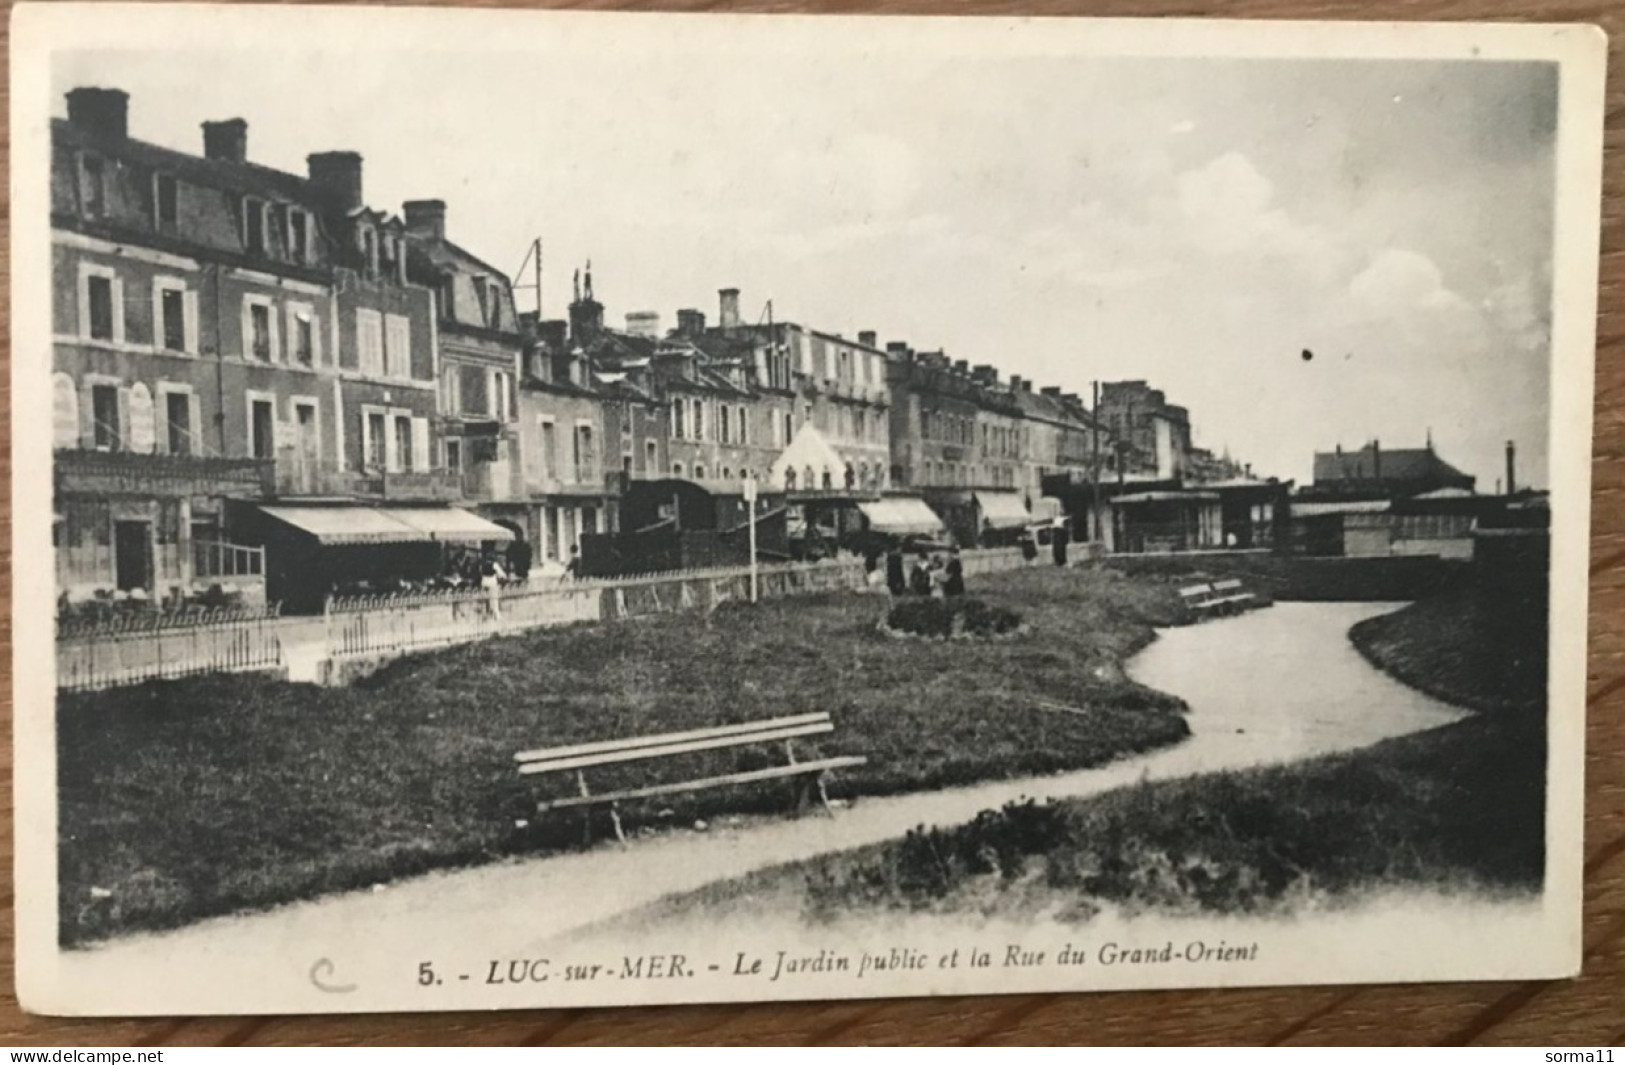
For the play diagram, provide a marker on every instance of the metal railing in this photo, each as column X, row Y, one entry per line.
column 214, row 559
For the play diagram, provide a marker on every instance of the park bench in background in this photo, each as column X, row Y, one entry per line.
column 1219, row 598
column 582, row 757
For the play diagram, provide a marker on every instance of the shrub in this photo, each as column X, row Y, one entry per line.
column 951, row 617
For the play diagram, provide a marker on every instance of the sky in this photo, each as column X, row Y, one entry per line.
column 1200, row 223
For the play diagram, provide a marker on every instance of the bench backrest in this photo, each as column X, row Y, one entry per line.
column 637, row 748
column 1196, row 590
column 1231, row 585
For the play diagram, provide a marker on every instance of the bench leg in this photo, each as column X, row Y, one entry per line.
column 823, row 796
column 586, row 826
column 615, row 815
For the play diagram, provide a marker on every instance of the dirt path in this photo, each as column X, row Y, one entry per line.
column 1272, row 686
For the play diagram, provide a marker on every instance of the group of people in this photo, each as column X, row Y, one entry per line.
column 927, row 574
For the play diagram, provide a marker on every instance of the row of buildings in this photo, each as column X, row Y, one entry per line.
column 262, row 380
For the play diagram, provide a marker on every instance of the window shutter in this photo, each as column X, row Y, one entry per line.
column 194, row 422
column 65, row 428
column 123, row 443
column 420, row 443
column 118, row 310
column 87, row 416
column 189, row 316
column 276, row 334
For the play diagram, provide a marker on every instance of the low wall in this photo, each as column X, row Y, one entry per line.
column 1288, row 578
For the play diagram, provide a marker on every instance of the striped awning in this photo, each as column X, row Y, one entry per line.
column 450, row 524
column 901, row 516
column 1003, row 510
column 340, row 525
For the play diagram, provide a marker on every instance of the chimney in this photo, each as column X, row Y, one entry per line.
column 986, row 374
column 101, row 112
column 1052, row 391
column 425, row 218
column 553, row 334
column 897, row 347
column 728, row 311
column 962, row 367
column 226, row 140
column 1072, row 398
column 690, row 323
column 338, row 175
column 1376, row 460
column 1512, row 471
column 867, row 337
column 643, row 323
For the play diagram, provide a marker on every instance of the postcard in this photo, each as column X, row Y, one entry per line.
column 530, row 509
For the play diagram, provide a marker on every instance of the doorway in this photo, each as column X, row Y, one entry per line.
column 132, row 554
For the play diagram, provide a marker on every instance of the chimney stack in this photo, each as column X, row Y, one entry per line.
column 962, row 367
column 728, row 310
column 338, row 175
column 1512, row 471
column 1376, row 460
column 553, row 333
column 1052, row 391
column 425, row 218
column 690, row 323
column 866, row 337
column 101, row 112
column 226, row 140
column 643, row 323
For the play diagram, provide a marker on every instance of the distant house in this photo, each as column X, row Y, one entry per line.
column 1371, row 472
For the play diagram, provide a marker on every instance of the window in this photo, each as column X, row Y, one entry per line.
column 171, row 329
column 789, row 427
column 501, row 395
column 298, row 235
column 678, row 407
column 104, row 409
column 451, row 391
column 723, row 421
column 369, row 250
column 699, row 472
column 397, row 345
column 259, row 331
column 482, row 295
column 178, row 422
column 94, row 188
column 303, row 338
column 550, row 449
column 454, row 456
column 165, row 200
column 374, row 442
column 744, row 430
column 699, row 420
column 262, row 428
column 677, row 469
column 727, row 473
column 403, row 442
column 99, row 290
column 254, row 224
column 369, row 341
column 586, row 455
column 650, row 455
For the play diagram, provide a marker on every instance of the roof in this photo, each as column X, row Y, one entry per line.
column 1353, row 506
column 901, row 515
column 1166, row 497
column 1400, row 464
column 245, row 177
column 350, row 525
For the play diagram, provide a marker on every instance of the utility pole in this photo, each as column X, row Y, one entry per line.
column 533, row 259
column 750, row 501
column 1094, row 492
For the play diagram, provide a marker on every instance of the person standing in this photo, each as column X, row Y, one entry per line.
column 919, row 580
column 896, row 580
column 1061, row 537
column 955, row 583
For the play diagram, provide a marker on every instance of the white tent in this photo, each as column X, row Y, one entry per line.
column 814, row 462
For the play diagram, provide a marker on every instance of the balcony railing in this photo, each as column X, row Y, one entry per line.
column 213, row 560
column 303, row 477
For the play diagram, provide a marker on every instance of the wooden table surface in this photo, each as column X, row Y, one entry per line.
column 1587, row 1011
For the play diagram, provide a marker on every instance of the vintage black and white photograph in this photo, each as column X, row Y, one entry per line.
column 560, row 509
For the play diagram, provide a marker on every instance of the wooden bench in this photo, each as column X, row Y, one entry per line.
column 1218, row 598
column 582, row 757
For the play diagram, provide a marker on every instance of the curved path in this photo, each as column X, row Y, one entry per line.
column 1271, row 686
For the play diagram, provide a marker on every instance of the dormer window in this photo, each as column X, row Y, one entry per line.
column 93, row 186
column 165, row 201
column 298, row 235
column 254, row 224
column 369, row 250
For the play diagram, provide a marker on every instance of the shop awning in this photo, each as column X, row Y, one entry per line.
column 1003, row 510
column 1166, row 497
column 345, row 525
column 449, row 524
column 901, row 516
column 340, row 525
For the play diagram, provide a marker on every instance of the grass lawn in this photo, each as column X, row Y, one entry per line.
column 1456, row 807
column 184, row 799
